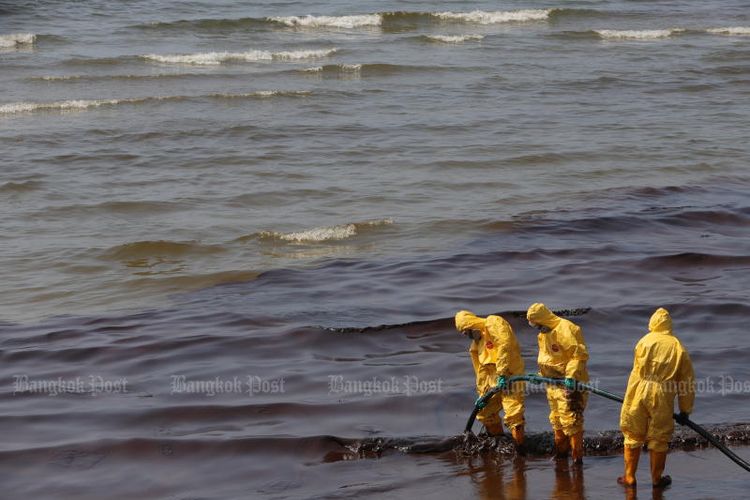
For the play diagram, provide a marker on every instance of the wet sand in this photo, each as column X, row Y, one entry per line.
column 247, row 470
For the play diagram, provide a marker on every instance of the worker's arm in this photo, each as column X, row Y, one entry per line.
column 578, row 354
column 686, row 394
column 635, row 372
column 474, row 353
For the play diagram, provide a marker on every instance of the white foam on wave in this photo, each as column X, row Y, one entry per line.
column 264, row 94
column 637, row 34
column 83, row 104
column 216, row 58
column 210, row 58
column 330, row 233
column 55, row 78
column 303, row 54
column 455, row 38
column 15, row 39
column 330, row 21
column 339, row 67
column 484, row 17
column 734, row 30
column 79, row 104
column 321, row 234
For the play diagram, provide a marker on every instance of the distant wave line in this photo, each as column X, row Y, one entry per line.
column 376, row 70
column 329, row 21
column 355, row 21
column 83, row 104
column 79, row 77
column 215, row 58
column 668, row 32
column 366, row 69
column 380, row 19
column 638, row 34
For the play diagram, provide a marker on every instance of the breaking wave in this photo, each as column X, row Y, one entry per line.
column 355, row 21
column 16, row 39
column 454, row 38
column 335, row 69
column 263, row 94
column 75, row 78
column 216, row 58
column 477, row 16
column 379, row 19
column 483, row 17
column 84, row 104
column 370, row 70
column 320, row 234
column 737, row 30
column 637, row 34
column 78, row 104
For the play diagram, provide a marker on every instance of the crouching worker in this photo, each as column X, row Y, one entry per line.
column 562, row 354
column 662, row 370
column 496, row 357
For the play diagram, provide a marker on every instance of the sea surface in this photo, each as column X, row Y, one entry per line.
column 233, row 236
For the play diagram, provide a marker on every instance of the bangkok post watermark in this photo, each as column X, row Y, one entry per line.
column 93, row 385
column 727, row 384
column 408, row 385
column 248, row 384
column 724, row 385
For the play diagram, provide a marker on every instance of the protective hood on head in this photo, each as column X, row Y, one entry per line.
column 660, row 321
column 539, row 314
column 468, row 320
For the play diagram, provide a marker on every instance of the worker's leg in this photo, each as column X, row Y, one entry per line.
column 513, row 406
column 570, row 411
column 660, row 429
column 562, row 442
column 634, row 420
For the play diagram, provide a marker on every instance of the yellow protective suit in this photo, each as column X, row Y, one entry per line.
column 562, row 354
column 496, row 353
column 662, row 370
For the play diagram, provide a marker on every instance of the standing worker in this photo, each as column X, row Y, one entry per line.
column 661, row 370
column 496, row 357
column 562, row 354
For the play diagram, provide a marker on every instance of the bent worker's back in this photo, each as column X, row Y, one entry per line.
column 508, row 359
column 495, row 354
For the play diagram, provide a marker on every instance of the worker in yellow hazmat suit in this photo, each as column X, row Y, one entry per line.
column 662, row 370
column 562, row 354
column 496, row 357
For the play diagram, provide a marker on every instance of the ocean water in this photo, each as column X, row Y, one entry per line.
column 293, row 198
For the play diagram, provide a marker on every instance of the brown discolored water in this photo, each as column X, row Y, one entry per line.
column 231, row 406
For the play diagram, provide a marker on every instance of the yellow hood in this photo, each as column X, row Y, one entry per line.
column 660, row 322
column 539, row 314
column 467, row 319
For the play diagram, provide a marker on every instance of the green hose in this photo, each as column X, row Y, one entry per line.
column 536, row 379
